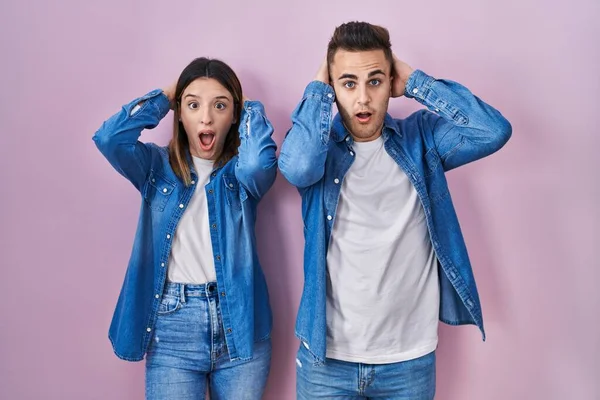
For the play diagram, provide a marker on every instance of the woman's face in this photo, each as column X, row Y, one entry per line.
column 207, row 113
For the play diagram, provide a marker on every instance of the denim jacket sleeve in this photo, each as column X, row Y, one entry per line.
column 463, row 127
column 304, row 150
column 257, row 164
column 117, row 138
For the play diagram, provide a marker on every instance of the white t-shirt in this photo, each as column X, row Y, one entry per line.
column 382, row 280
column 191, row 259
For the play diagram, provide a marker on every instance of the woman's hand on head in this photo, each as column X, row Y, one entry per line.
column 169, row 91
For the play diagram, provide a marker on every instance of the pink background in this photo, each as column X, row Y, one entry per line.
column 529, row 213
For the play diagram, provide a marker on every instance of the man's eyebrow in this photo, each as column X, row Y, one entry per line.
column 348, row 76
column 371, row 74
column 376, row 72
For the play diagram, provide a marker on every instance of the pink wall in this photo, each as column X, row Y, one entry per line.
column 529, row 213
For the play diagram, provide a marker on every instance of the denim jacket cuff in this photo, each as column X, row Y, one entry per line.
column 157, row 98
column 320, row 89
column 254, row 105
column 418, row 85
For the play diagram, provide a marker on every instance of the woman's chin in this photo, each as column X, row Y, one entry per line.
column 210, row 154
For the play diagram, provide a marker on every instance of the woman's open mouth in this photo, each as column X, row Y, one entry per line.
column 207, row 140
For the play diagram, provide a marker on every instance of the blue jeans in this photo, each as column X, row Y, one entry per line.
column 188, row 353
column 407, row 380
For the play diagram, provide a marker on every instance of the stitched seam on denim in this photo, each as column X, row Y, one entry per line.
column 138, row 112
column 122, row 357
column 318, row 361
column 266, row 337
column 432, row 170
column 457, row 323
column 453, row 150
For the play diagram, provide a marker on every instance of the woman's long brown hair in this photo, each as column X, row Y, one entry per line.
column 179, row 153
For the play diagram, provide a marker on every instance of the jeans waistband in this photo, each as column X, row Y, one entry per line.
column 184, row 290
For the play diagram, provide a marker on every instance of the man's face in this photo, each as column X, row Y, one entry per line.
column 362, row 82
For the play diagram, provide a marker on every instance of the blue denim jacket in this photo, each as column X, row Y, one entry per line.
column 233, row 193
column 317, row 152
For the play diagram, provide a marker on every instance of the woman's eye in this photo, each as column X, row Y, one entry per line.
column 193, row 105
column 220, row 106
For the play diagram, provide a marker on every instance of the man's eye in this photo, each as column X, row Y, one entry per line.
column 349, row 85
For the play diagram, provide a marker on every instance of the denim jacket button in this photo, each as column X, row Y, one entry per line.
column 336, row 181
column 415, row 90
column 329, row 217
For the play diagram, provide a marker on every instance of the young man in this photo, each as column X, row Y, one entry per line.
column 384, row 255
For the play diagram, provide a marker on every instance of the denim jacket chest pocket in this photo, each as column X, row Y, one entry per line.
column 435, row 179
column 433, row 164
column 157, row 191
column 234, row 192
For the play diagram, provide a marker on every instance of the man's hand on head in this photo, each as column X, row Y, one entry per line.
column 401, row 73
column 323, row 73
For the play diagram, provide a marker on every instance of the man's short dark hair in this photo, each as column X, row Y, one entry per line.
column 360, row 36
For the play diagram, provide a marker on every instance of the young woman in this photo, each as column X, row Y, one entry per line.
column 194, row 299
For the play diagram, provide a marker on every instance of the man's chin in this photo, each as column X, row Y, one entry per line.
column 363, row 132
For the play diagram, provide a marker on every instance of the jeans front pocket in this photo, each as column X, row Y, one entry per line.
column 169, row 304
